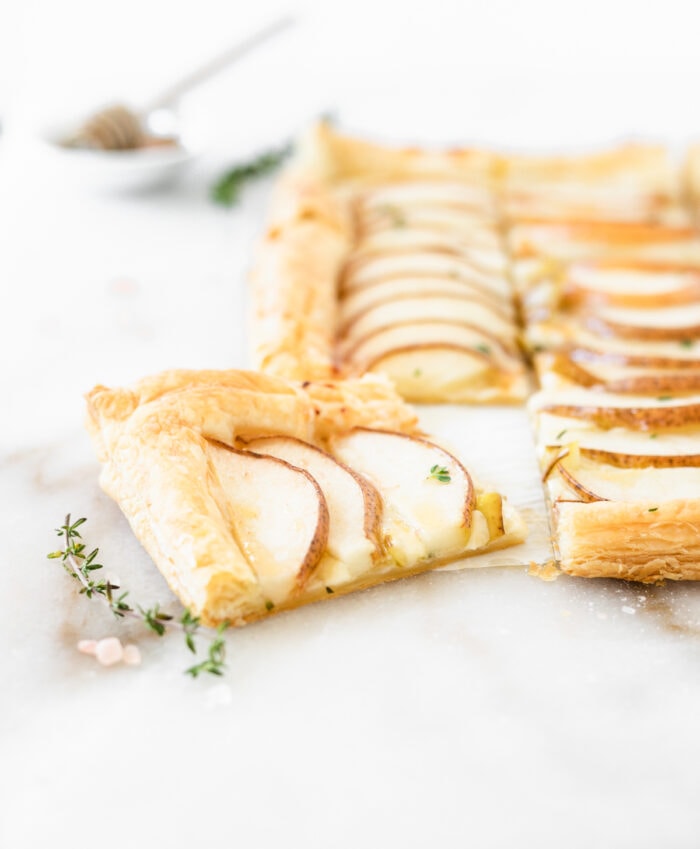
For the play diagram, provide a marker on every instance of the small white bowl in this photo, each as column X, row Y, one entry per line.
column 110, row 170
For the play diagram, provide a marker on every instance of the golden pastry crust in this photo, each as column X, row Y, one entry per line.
column 334, row 157
column 294, row 297
column 159, row 441
column 641, row 541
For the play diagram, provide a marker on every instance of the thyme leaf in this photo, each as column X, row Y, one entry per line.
column 227, row 189
column 440, row 473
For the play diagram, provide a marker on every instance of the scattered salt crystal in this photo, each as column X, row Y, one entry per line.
column 132, row 655
column 642, row 598
column 109, row 651
column 87, row 646
column 628, row 609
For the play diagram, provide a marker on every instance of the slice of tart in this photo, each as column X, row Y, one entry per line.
column 255, row 494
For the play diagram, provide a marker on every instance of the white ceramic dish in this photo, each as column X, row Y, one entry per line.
column 109, row 171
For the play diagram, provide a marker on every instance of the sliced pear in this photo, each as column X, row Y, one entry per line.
column 640, row 461
column 617, row 380
column 354, row 505
column 429, row 335
column 629, row 286
column 419, row 309
column 581, row 202
column 583, row 344
column 429, row 373
column 423, row 487
column 653, row 384
column 661, row 324
column 383, row 224
column 635, row 412
column 278, row 514
column 458, row 196
column 635, row 418
column 360, row 299
column 593, row 481
column 585, row 347
column 555, row 431
column 484, row 252
column 363, row 271
column 567, row 368
column 621, row 240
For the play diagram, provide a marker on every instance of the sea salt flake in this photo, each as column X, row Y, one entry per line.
column 629, row 610
column 87, row 646
column 109, row 651
column 132, row 655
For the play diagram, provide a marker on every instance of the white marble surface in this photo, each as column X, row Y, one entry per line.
column 480, row 708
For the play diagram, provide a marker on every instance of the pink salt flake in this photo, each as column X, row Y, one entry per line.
column 87, row 646
column 109, row 651
column 132, row 655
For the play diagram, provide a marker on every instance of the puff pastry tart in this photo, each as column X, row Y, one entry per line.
column 380, row 260
column 254, row 494
column 608, row 277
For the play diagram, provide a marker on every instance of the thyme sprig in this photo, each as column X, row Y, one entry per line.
column 227, row 189
column 81, row 566
column 440, row 473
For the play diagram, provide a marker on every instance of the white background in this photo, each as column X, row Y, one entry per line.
column 484, row 710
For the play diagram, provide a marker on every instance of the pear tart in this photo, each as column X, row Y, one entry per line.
column 255, row 494
column 389, row 261
column 432, row 269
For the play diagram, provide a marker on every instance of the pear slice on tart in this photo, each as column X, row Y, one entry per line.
column 468, row 311
column 635, row 412
column 614, row 378
column 399, row 234
column 423, row 487
column 572, row 241
column 625, row 285
column 354, row 505
column 467, row 307
column 578, row 202
column 585, row 346
column 424, row 334
column 591, row 480
column 392, row 224
column 555, row 432
column 485, row 260
column 671, row 323
column 459, row 196
column 359, row 300
column 467, row 227
column 278, row 514
column 431, row 372
column 637, row 417
column 421, row 277
column 365, row 270
column 639, row 461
